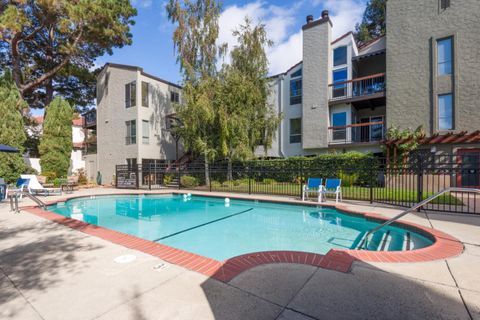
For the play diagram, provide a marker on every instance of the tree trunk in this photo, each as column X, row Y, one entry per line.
column 207, row 170
column 48, row 92
column 229, row 169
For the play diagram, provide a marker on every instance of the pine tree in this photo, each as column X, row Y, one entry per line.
column 373, row 23
column 56, row 141
column 12, row 132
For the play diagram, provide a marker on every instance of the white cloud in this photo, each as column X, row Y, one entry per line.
column 281, row 26
column 345, row 14
column 142, row 3
column 278, row 22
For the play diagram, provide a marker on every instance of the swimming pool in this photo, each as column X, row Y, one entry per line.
column 209, row 227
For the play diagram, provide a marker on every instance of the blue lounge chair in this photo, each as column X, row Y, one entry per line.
column 332, row 186
column 313, row 185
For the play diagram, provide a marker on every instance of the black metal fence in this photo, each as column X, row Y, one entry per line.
column 403, row 183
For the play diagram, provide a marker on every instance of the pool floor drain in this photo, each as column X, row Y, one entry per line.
column 127, row 258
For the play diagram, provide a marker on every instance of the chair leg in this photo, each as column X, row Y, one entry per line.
column 336, row 197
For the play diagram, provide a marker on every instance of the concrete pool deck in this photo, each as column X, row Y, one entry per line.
column 49, row 271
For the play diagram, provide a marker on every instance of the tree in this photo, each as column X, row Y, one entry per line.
column 245, row 118
column 56, row 141
column 12, row 131
column 195, row 40
column 50, row 45
column 373, row 23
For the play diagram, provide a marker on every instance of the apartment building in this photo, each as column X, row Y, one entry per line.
column 343, row 96
column 131, row 120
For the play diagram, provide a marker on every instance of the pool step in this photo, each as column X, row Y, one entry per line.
column 386, row 241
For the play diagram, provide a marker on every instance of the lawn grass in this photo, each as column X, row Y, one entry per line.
column 353, row 192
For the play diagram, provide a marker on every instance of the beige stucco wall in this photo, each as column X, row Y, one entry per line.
column 412, row 83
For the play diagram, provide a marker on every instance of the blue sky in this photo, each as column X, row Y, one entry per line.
column 152, row 47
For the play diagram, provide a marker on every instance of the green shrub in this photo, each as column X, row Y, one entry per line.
column 348, row 180
column 50, row 175
column 82, row 177
column 268, row 181
column 57, row 182
column 215, row 184
column 167, row 179
column 226, row 184
column 189, row 182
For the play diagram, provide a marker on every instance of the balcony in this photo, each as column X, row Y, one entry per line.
column 90, row 119
column 360, row 133
column 359, row 89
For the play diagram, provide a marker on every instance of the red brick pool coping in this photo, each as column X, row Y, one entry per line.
column 444, row 246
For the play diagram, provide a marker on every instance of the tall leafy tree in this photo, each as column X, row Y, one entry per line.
column 51, row 45
column 195, row 40
column 245, row 118
column 373, row 23
column 56, row 141
column 12, row 131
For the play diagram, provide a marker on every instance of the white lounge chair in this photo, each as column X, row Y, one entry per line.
column 34, row 187
column 332, row 186
column 313, row 185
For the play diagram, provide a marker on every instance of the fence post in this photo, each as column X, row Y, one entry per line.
column 136, row 176
column 301, row 178
column 179, row 175
column 371, row 186
column 149, row 176
column 209, row 178
column 249, row 171
column 419, row 181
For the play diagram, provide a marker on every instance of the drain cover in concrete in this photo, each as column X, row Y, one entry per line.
column 127, row 258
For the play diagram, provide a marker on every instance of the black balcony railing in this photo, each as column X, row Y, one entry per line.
column 359, row 87
column 90, row 119
column 357, row 133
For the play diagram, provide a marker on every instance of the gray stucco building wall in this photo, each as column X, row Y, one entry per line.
column 112, row 115
column 413, row 86
column 317, row 36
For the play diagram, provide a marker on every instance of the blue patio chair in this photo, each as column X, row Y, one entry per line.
column 332, row 186
column 313, row 185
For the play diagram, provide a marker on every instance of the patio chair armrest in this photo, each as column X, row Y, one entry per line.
column 339, row 189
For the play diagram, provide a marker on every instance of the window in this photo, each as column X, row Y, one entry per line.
column 339, row 76
column 296, row 91
column 145, row 90
column 445, row 112
column 444, row 4
column 296, row 130
column 338, row 120
column 131, row 137
column 174, row 97
column 297, row 73
column 145, row 132
column 130, row 94
column 444, row 56
column 131, row 163
column 339, row 56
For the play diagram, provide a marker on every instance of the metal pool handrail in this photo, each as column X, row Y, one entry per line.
column 14, row 200
column 415, row 207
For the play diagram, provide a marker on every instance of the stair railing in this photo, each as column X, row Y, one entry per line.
column 413, row 208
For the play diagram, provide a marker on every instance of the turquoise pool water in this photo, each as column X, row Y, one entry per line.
column 208, row 227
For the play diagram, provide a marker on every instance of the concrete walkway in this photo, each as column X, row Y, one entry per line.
column 48, row 271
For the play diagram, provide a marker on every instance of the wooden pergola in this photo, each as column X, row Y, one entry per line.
column 462, row 137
